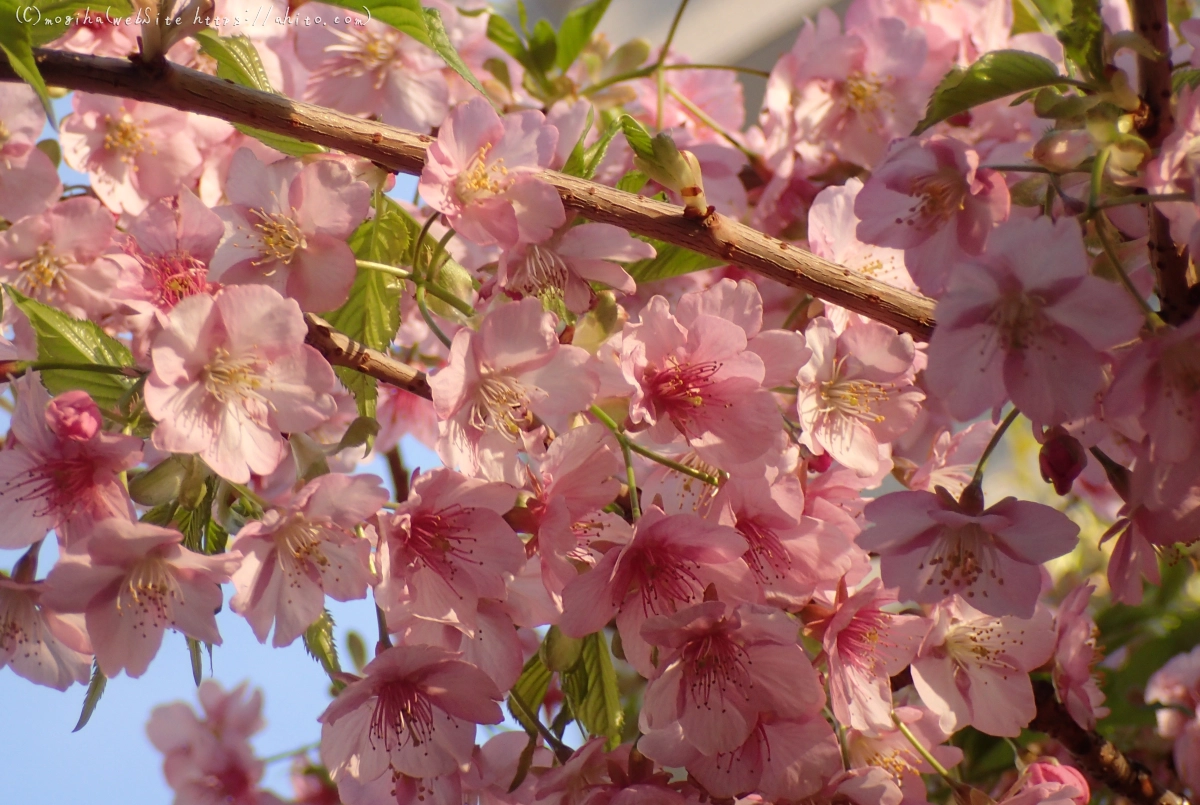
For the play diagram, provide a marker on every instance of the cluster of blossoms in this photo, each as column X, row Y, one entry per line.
column 757, row 518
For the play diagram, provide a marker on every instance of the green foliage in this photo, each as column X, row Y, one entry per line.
column 95, row 690
column 576, row 163
column 638, row 138
column 320, row 644
column 633, row 182
column 52, row 149
column 591, row 691
column 543, row 46
column 357, row 647
column 576, row 31
column 197, row 660
column 439, row 40
column 50, row 19
column 529, row 692
column 595, row 154
column 64, row 339
column 670, row 261
column 1083, row 38
column 995, row 75
column 1179, row 80
column 16, row 41
column 547, row 54
column 405, row 16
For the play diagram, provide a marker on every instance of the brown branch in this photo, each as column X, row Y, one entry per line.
column 404, row 151
column 1096, row 754
column 341, row 350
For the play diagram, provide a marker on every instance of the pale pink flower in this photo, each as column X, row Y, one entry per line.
column 720, row 668
column 833, row 234
column 298, row 554
column 931, row 198
column 865, row 647
column 372, row 69
column 565, row 265
column 95, row 35
column 286, row 227
column 856, row 392
column 399, row 413
column 951, row 459
column 133, row 580
column 445, row 548
column 701, row 381
column 63, row 472
column 414, row 714
column 1043, row 772
column 1177, row 686
column 667, row 565
column 494, row 645
column 173, row 240
column 133, row 152
column 974, row 668
column 1026, row 320
column 1075, row 655
column 29, row 182
column 229, row 373
column 498, row 380
column 592, row 776
column 482, row 175
column 64, row 257
column 932, row 546
column 890, row 750
column 717, row 93
column 39, row 644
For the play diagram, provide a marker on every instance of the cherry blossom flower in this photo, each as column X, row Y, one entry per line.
column 232, row 371
column 1176, row 685
column 1075, row 655
column 286, row 227
column 717, row 93
column 931, row 198
column 414, row 714
column 891, row 750
column 29, row 182
column 501, row 377
column 932, row 546
column 39, row 644
column 298, row 554
column 173, row 240
column 974, row 668
column 596, row 777
column 833, row 234
column 481, row 174
column 1026, row 320
column 133, row 152
column 63, row 472
column 1043, row 772
column 133, row 580
column 856, row 392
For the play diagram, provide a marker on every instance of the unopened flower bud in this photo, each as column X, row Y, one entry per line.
column 1042, row 771
column 1061, row 459
column 559, row 652
column 195, row 483
column 73, row 415
column 1064, row 150
column 160, row 483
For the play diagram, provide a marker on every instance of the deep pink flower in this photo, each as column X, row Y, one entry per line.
column 298, row 554
column 1027, row 320
column 1042, row 772
column 231, row 372
column 481, row 174
column 1075, row 655
column 931, row 198
column 932, row 546
column 63, row 473
column 133, row 580
column 414, row 714
column 592, row 776
column 974, row 668
column 29, row 182
column 44, row 646
column 286, row 226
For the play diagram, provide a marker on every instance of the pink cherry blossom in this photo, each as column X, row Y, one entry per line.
column 29, row 182
column 286, row 227
column 596, row 777
column 932, row 546
column 414, row 713
column 890, row 749
column 856, row 392
column 133, row 580
column 481, row 174
column 501, row 377
column 931, row 198
column 1043, row 772
column 133, row 152
column 298, row 554
column 63, row 472
column 231, row 372
column 39, row 644
column 1026, row 320
column 1075, row 655
column 974, row 668
column 717, row 93
column 833, row 234
column 173, row 240
column 1176, row 685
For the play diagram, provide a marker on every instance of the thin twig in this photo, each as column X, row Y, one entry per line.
column 341, row 350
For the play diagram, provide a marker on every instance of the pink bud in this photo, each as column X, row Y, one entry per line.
column 1061, row 459
column 1045, row 772
column 1064, row 150
column 73, row 415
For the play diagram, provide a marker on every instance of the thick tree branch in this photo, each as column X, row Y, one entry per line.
column 341, row 350
column 404, row 151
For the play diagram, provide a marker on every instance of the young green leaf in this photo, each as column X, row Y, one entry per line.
column 576, row 163
column 52, row 18
column 1083, row 38
column 543, row 46
column 95, row 690
column 591, row 690
column 405, row 16
column 197, row 660
column 529, row 692
column 637, row 136
column 670, row 261
column 16, row 41
column 439, row 40
column 595, row 154
column 994, row 75
column 320, row 644
column 501, row 32
column 576, row 31
column 358, row 650
column 632, row 182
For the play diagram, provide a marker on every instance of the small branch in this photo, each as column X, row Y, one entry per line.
column 399, row 472
column 341, row 350
column 404, row 151
column 1096, row 754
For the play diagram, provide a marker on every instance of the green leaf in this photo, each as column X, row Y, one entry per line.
column 530, row 689
column 576, row 163
column 1083, row 38
column 543, row 46
column 595, row 154
column 439, row 40
column 591, row 690
column 196, row 658
column 637, row 136
column 52, row 18
column 61, row 338
column 16, row 41
column 358, row 650
column 52, row 149
column 282, row 143
column 633, row 182
column 405, row 16
column 671, row 261
column 95, row 690
column 501, row 32
column 1179, row 80
column 995, row 75
column 576, row 31
column 360, row 433
column 320, row 645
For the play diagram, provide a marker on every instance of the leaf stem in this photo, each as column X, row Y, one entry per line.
column 1152, row 317
column 624, row 439
column 992, row 443
column 925, row 754
column 425, row 314
column 704, row 118
column 434, row 290
column 561, row 750
column 662, row 59
column 1142, row 198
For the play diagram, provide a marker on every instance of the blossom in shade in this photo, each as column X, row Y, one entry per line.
column 173, row 240
column 1048, row 773
column 930, row 197
column 1075, row 655
column 832, row 234
column 592, row 775
column 133, row 152
column 414, row 713
column 1176, row 685
column 39, row 644
column 232, row 371
column 892, row 751
column 1027, row 321
column 63, row 472
column 856, row 392
column 134, row 580
column 29, row 182
column 481, row 174
column 931, row 546
column 973, row 668
column 286, row 227
column 303, row 551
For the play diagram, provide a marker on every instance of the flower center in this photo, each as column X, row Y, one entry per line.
column 364, row 51
column 663, row 579
column 438, row 542
column 402, row 715
column 482, row 179
column 1018, row 318
column 43, row 271
column 979, row 645
column 715, row 664
column 858, row 642
column 150, row 588
column 280, row 236
column 542, row 271
column 171, row 277
column 864, row 93
column 942, row 195
column 679, row 389
column 228, row 378
column 767, row 557
column 63, row 484
column 125, row 136
column 501, row 404
column 854, row 397
column 960, row 557
column 301, row 540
